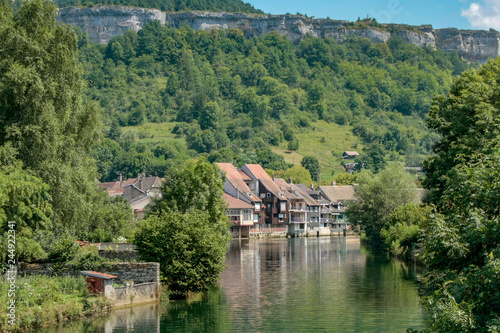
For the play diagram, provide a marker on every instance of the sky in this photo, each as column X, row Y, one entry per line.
column 462, row 14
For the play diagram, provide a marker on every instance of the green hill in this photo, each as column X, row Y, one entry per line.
column 181, row 93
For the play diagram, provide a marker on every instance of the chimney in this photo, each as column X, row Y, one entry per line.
column 273, row 177
column 290, row 180
column 139, row 181
column 312, row 186
column 121, row 180
column 238, row 192
column 334, row 183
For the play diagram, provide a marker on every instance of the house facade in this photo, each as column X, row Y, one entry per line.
column 339, row 197
column 241, row 216
column 275, row 205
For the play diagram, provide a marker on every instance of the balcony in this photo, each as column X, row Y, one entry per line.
column 326, row 220
column 298, row 208
column 297, row 219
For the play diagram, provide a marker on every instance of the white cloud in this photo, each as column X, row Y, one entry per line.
column 484, row 14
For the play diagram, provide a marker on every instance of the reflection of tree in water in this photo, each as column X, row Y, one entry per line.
column 207, row 312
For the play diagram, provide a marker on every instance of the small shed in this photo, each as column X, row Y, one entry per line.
column 99, row 283
column 350, row 154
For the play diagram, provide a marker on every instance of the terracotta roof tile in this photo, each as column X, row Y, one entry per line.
column 234, row 176
column 259, row 173
column 99, row 275
column 235, row 203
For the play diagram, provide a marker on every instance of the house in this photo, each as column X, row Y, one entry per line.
column 350, row 155
column 137, row 191
column 338, row 196
column 350, row 167
column 298, row 217
column 237, row 185
column 312, row 211
column 275, row 204
column 240, row 216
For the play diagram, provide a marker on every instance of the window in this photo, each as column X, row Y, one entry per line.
column 233, row 212
column 257, row 206
column 302, row 226
column 256, row 217
column 268, row 195
column 326, row 225
column 247, row 214
column 283, row 206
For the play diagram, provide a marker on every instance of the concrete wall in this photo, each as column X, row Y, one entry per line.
column 134, row 294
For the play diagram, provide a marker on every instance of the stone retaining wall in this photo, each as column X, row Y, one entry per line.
column 139, row 272
column 120, row 255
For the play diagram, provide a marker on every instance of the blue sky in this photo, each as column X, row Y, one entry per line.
column 462, row 14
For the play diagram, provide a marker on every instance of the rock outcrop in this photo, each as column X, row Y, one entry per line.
column 104, row 22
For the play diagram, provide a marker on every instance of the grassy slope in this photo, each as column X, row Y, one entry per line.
column 337, row 139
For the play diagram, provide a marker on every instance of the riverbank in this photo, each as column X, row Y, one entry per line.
column 44, row 301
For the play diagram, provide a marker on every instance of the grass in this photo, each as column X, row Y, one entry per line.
column 326, row 142
column 154, row 133
column 42, row 300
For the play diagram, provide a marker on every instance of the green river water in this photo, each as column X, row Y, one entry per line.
column 286, row 285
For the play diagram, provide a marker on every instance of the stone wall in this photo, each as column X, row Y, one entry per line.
column 126, row 256
column 138, row 272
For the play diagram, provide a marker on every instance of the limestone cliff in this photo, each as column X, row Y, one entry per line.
column 104, row 22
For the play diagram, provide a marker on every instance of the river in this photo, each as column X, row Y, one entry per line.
column 286, row 285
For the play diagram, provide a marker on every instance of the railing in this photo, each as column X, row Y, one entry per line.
column 325, row 210
column 266, row 230
column 296, row 219
column 325, row 220
column 299, row 208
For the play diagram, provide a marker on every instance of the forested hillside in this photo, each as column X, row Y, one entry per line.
column 169, row 5
column 180, row 93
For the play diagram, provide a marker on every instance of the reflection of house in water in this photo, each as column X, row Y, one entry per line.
column 281, row 267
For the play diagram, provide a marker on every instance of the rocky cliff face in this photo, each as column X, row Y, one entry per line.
column 103, row 23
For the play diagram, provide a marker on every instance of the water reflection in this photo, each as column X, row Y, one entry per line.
column 300, row 285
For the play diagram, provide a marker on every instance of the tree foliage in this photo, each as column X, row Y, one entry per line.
column 462, row 237
column 187, row 229
column 311, row 163
column 376, row 198
column 226, row 90
column 46, row 131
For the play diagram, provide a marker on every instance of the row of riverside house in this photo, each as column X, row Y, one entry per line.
column 260, row 204
column 257, row 203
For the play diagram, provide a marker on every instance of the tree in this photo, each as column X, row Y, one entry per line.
column 402, row 235
column 195, row 185
column 191, row 253
column 377, row 196
column 298, row 174
column 311, row 163
column 468, row 120
column 187, row 229
column 42, row 113
column 463, row 177
column 209, row 116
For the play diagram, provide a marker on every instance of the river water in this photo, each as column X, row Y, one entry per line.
column 286, row 285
